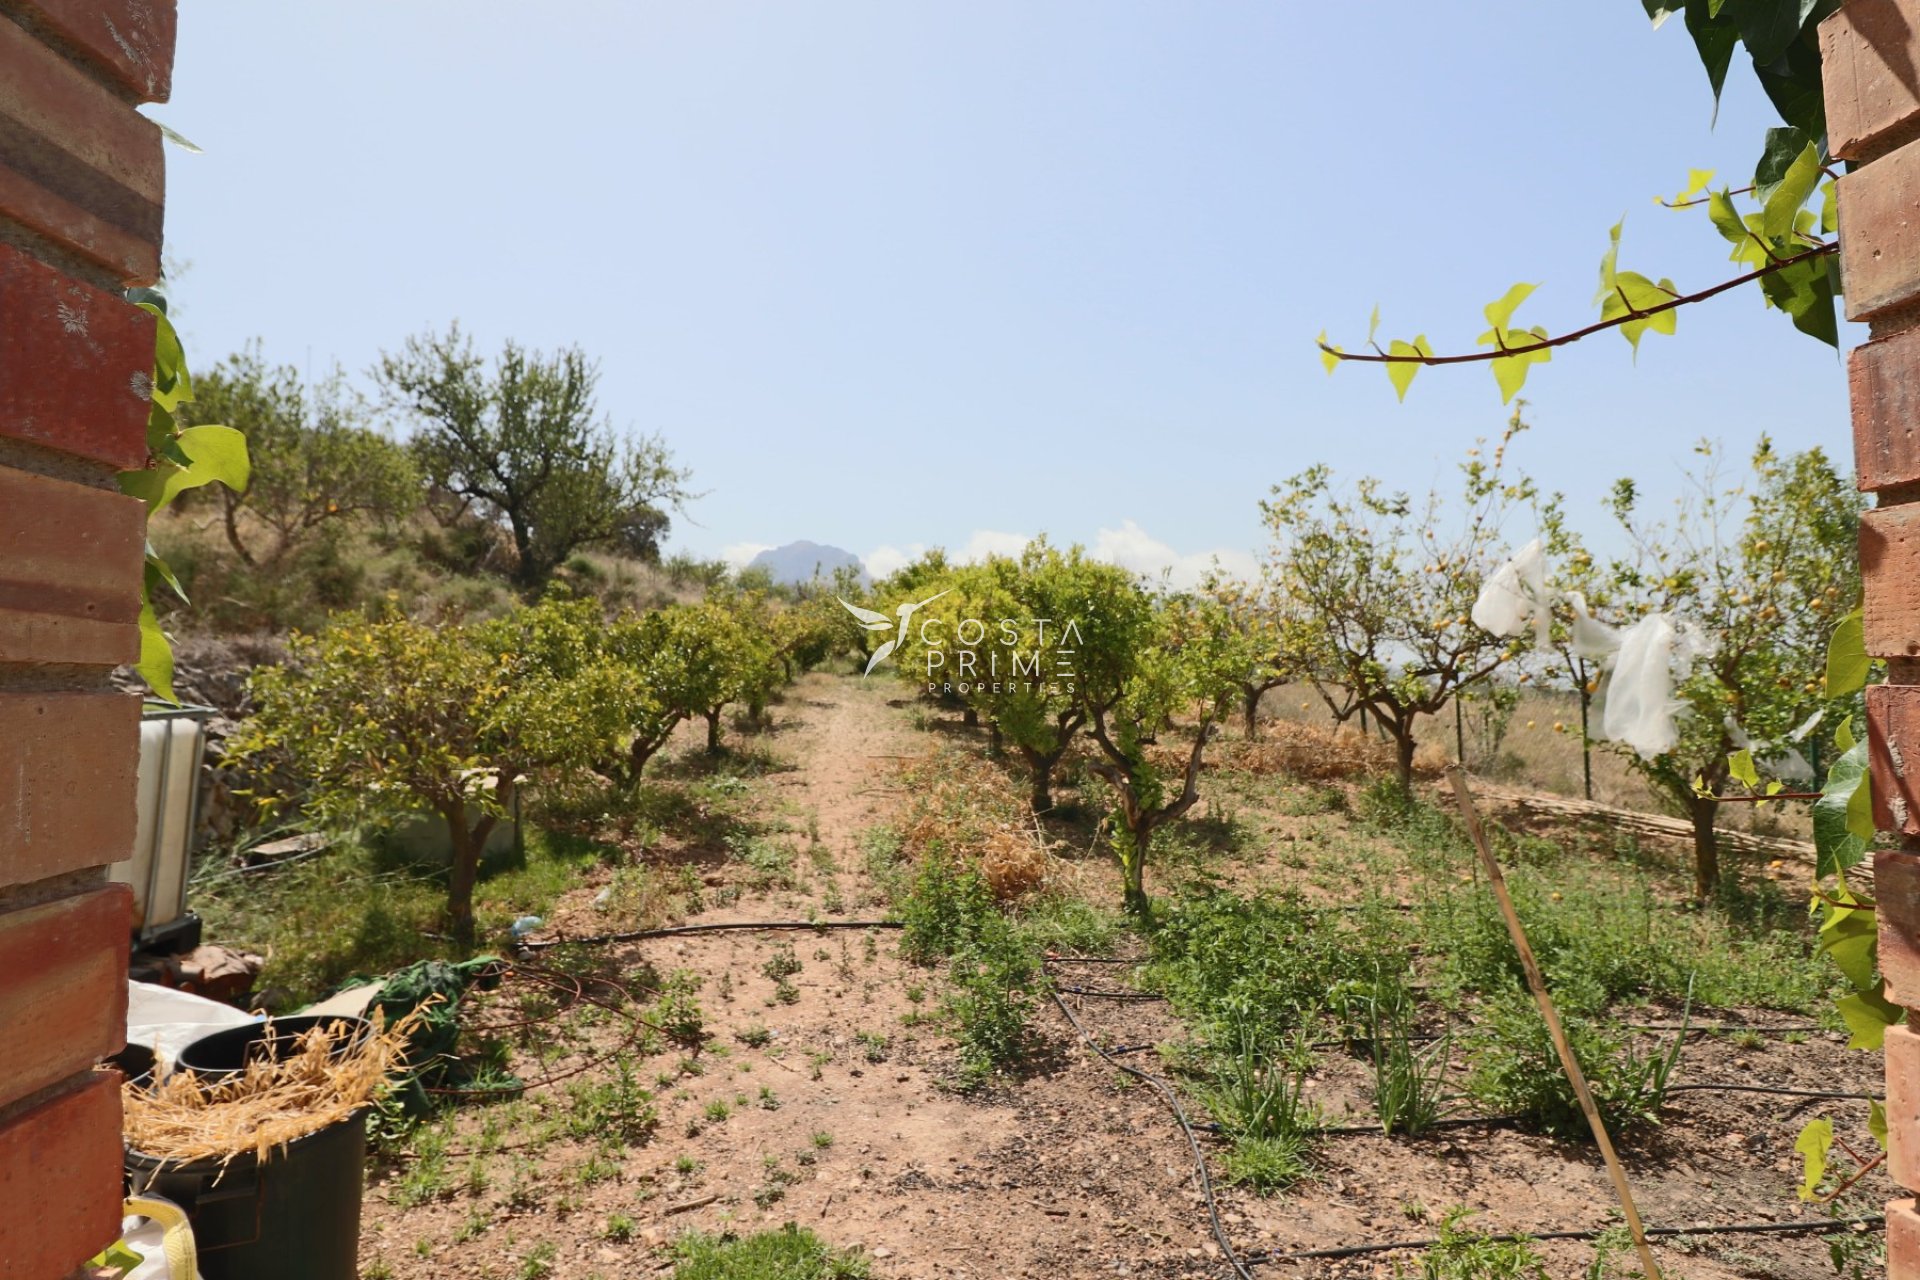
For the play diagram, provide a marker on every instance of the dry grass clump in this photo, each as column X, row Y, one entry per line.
column 1323, row 753
column 967, row 808
column 1310, row 752
column 335, row 1070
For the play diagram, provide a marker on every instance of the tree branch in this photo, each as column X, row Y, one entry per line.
column 1502, row 353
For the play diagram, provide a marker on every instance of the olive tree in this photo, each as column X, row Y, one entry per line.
column 1389, row 585
column 522, row 441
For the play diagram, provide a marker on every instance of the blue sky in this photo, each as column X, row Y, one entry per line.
column 895, row 275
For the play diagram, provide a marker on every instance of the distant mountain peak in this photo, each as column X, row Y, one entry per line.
column 803, row 561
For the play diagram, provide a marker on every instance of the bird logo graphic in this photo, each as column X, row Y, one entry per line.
column 872, row 621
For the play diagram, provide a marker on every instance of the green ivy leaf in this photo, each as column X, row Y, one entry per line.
column 1798, row 182
column 156, row 651
column 1829, row 207
column 1741, row 768
column 1697, row 180
column 215, row 453
column 1877, row 1122
column 1792, row 83
column 1767, row 27
column 1633, row 292
column 1837, row 842
column 1868, row 1015
column 1847, row 661
column 1813, row 1144
column 1851, row 936
column 1805, row 291
column 1715, row 39
column 1401, row 372
column 1500, row 311
column 1609, row 264
column 1510, row 372
column 1329, row 358
column 1373, row 324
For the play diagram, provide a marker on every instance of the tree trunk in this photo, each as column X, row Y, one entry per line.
column 1134, row 873
column 1402, row 755
column 713, row 730
column 233, row 528
column 1041, row 796
column 1706, row 846
column 1250, row 707
column 637, row 756
column 971, row 717
column 996, row 746
column 464, row 872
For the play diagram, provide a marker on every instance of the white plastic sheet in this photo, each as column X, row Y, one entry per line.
column 1640, row 708
column 167, row 1021
column 1516, row 596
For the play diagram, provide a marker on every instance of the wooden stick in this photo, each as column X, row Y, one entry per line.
column 1538, row 984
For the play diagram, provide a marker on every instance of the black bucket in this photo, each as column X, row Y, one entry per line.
column 227, row 1053
column 294, row 1216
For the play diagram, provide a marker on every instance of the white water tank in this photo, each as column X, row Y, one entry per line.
column 172, row 742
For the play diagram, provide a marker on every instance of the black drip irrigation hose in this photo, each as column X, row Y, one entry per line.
column 1172, row 1100
column 681, row 930
column 1810, row 1226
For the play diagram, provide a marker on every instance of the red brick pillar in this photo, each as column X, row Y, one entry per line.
column 81, row 194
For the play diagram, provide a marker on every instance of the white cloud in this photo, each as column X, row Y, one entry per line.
column 980, row 544
column 740, row 553
column 1132, row 547
column 884, row 561
column 992, row 542
column 1128, row 546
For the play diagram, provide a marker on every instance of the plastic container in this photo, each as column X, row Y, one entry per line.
column 294, row 1216
column 227, row 1053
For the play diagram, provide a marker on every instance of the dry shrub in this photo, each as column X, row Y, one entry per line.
column 967, row 808
column 1311, row 752
column 1013, row 861
column 334, row 1071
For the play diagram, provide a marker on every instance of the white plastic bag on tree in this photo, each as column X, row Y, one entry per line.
column 1591, row 637
column 1515, row 595
column 1640, row 708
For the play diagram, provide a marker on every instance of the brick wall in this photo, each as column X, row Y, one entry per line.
column 1870, row 60
column 82, row 188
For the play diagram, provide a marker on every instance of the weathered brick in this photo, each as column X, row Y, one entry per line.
column 1903, row 1240
column 1903, row 1105
column 1890, row 573
column 1893, row 730
column 130, row 41
column 1870, row 62
column 60, row 1181
column 1883, row 379
column 1896, row 894
column 1880, row 233
column 76, row 364
column 68, row 769
column 85, row 168
column 70, row 573
column 65, row 998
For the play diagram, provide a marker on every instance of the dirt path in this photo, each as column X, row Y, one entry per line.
column 818, row 1097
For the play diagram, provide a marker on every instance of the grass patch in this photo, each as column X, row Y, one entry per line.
column 359, row 910
column 791, row 1253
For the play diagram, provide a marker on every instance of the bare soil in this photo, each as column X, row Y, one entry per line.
column 1069, row 1170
